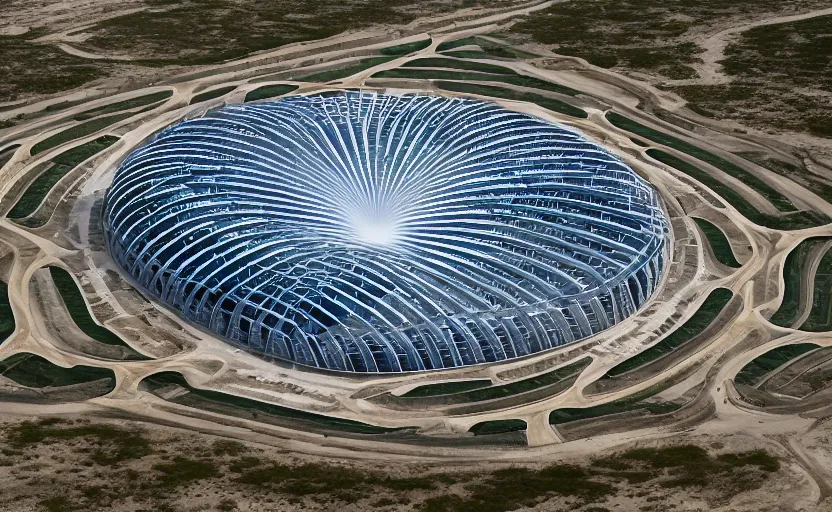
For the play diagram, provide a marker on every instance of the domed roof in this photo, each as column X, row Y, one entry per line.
column 380, row 233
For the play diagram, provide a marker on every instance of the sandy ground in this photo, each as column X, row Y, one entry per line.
column 210, row 363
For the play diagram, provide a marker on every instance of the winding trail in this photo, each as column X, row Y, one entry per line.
column 710, row 70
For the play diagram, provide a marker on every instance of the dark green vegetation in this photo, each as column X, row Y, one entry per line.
column 799, row 174
column 693, row 466
column 181, row 471
column 194, row 32
column 36, row 372
column 820, row 316
column 337, row 74
column 777, row 199
column 488, row 49
column 441, row 62
column 7, row 153
column 796, row 262
column 7, row 324
column 470, row 72
column 787, row 67
column 270, row 91
column 113, row 445
column 405, row 49
column 226, row 403
column 214, row 93
column 753, row 372
column 508, row 94
column 115, row 467
column 141, row 101
column 710, row 309
column 497, row 427
column 81, row 130
column 524, row 385
column 514, row 488
column 445, row 388
column 797, row 220
column 77, row 307
column 636, row 402
column 630, row 34
column 719, row 243
column 30, row 68
column 678, row 467
column 37, row 191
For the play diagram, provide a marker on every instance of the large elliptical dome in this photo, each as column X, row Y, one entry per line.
column 380, row 233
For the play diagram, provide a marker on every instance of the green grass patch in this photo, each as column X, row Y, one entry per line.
column 7, row 324
column 456, row 43
column 337, row 74
column 820, row 316
column 710, row 309
column 406, row 49
column 80, row 130
column 210, row 95
column 36, row 372
column 777, row 199
column 472, row 76
column 720, row 245
column 488, row 49
column 524, row 385
column 786, row 314
column 77, row 307
column 130, row 104
column 440, row 62
column 499, row 92
column 635, row 402
column 759, row 367
column 37, row 191
column 445, row 388
column 497, row 427
column 207, row 397
column 797, row 220
column 270, row 91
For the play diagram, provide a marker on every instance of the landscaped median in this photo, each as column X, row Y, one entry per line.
column 477, row 395
column 48, row 381
column 552, row 104
column 793, row 268
column 696, row 324
column 719, row 243
column 77, row 307
column 62, row 164
column 791, row 221
column 237, row 406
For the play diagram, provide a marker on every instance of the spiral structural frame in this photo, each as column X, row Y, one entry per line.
column 381, row 233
